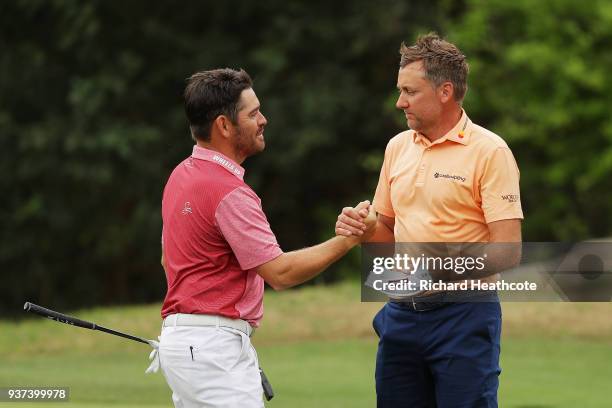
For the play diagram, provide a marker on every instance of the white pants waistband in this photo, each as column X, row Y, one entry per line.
column 183, row 319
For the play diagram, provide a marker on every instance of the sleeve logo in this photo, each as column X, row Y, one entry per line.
column 511, row 198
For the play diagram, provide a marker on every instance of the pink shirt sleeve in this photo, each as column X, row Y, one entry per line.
column 243, row 223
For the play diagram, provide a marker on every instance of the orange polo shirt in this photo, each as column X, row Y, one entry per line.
column 448, row 190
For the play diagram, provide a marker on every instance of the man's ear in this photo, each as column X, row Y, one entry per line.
column 224, row 126
column 446, row 92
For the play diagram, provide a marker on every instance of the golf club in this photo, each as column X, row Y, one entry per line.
column 73, row 321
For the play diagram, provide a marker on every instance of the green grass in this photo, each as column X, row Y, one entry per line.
column 540, row 373
column 318, row 350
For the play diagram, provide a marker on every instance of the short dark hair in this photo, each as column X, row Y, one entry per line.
column 209, row 94
column 442, row 61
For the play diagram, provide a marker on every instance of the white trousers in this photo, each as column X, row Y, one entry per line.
column 212, row 367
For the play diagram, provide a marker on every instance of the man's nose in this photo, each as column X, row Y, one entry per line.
column 262, row 120
column 401, row 103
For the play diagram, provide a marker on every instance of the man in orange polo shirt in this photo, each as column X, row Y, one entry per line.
column 445, row 180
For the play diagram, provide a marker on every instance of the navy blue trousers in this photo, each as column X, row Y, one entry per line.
column 442, row 358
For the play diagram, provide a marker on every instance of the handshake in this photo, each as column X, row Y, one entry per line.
column 358, row 222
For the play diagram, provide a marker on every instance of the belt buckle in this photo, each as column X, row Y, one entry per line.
column 414, row 305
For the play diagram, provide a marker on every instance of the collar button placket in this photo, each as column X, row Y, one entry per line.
column 422, row 168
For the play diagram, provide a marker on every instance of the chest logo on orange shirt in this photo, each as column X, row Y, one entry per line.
column 449, row 176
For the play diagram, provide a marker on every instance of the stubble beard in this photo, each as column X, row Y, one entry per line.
column 419, row 125
column 244, row 145
column 414, row 123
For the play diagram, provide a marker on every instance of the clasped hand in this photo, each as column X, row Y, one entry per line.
column 358, row 221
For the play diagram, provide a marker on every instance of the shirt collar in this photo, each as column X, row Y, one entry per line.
column 460, row 133
column 218, row 158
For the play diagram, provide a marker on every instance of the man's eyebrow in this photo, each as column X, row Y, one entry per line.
column 255, row 109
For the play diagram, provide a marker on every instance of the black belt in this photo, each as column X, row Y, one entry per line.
column 424, row 303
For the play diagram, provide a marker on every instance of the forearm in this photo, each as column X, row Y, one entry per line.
column 383, row 233
column 502, row 252
column 296, row 267
column 499, row 258
column 504, row 249
column 302, row 265
column 494, row 257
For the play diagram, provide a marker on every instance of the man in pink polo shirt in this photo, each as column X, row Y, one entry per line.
column 218, row 249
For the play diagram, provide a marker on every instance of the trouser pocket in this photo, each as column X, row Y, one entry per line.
column 378, row 322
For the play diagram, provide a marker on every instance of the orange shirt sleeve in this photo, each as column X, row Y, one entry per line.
column 382, row 198
column 499, row 187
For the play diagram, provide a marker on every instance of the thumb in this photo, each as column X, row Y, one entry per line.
column 371, row 211
column 362, row 205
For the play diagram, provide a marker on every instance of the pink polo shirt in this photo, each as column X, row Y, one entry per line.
column 214, row 236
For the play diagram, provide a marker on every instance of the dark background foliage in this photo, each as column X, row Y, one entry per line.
column 92, row 123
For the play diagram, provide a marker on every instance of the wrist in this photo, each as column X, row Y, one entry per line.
column 350, row 242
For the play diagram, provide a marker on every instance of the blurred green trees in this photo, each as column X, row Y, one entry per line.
column 540, row 78
column 91, row 121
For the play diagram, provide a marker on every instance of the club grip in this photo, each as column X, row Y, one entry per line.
column 58, row 317
column 267, row 387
